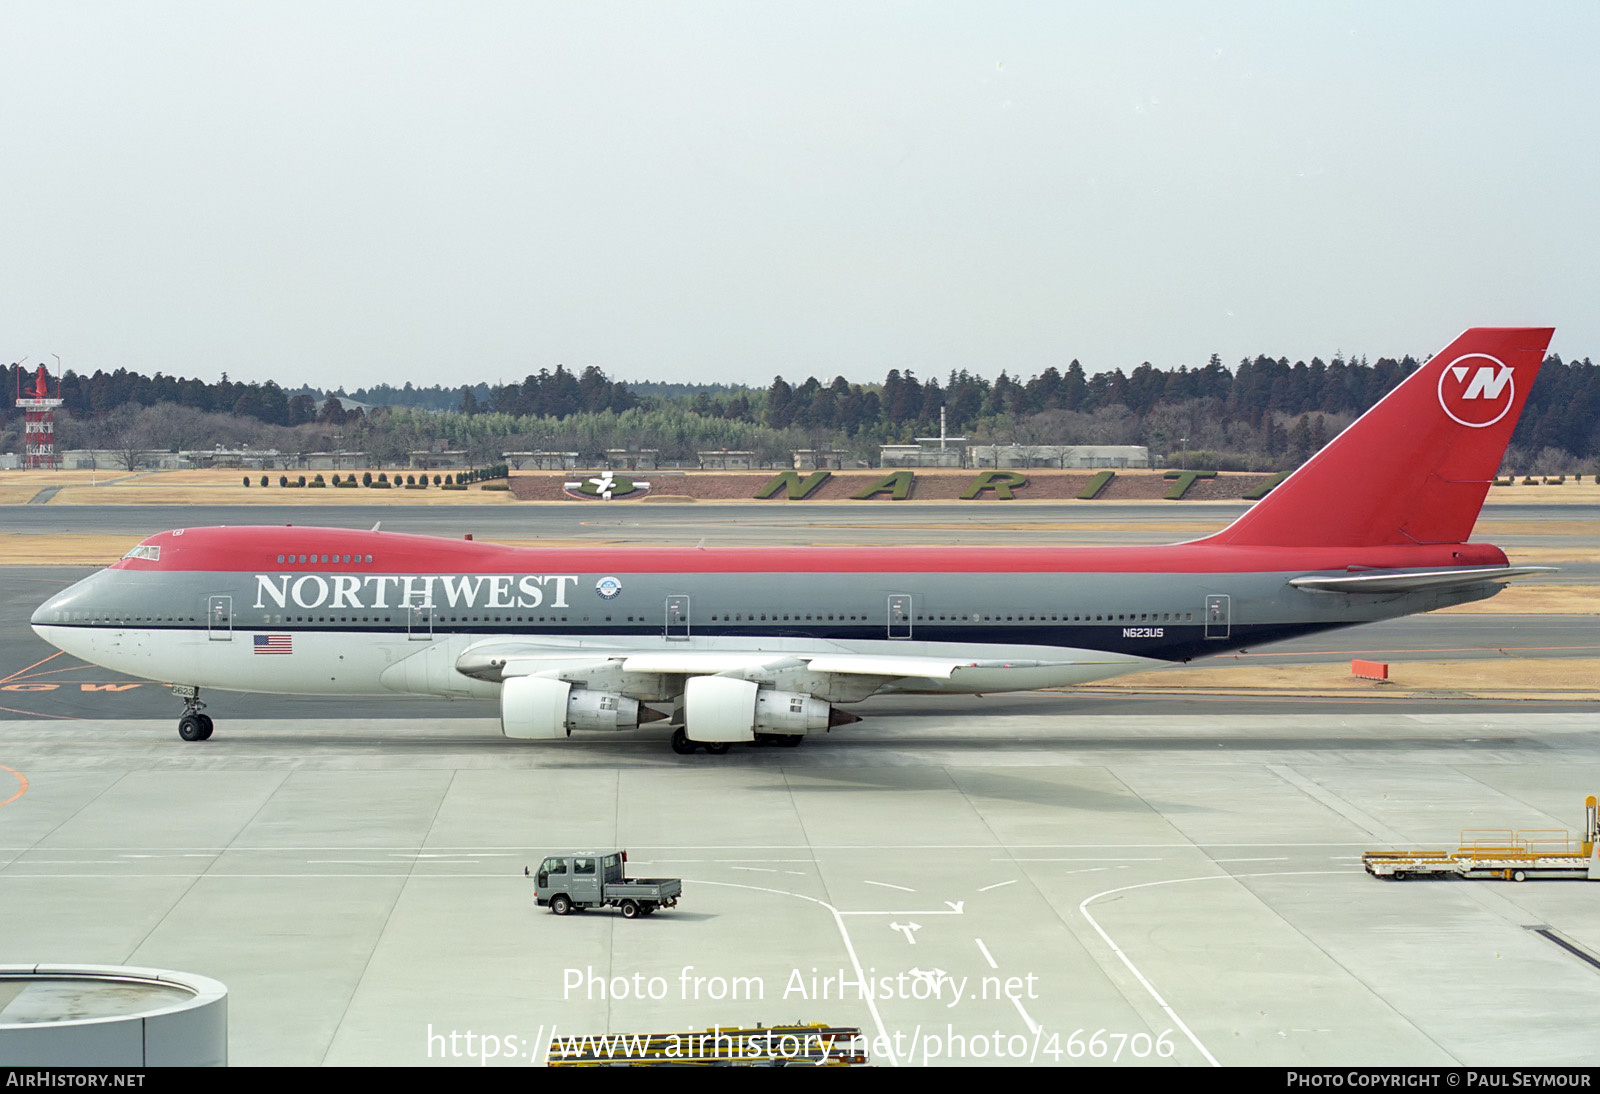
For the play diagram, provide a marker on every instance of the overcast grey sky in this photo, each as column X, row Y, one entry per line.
column 351, row 193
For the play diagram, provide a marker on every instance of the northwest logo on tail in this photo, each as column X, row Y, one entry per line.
column 1477, row 390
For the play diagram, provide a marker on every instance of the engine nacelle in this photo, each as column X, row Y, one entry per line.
column 720, row 709
column 537, row 707
column 790, row 712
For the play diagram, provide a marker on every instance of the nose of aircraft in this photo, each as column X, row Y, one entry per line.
column 49, row 611
column 58, row 608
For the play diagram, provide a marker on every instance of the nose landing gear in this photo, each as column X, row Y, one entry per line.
column 193, row 726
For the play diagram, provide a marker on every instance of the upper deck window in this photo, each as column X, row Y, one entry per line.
column 319, row 559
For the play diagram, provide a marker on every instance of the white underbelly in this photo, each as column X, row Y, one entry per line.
column 300, row 663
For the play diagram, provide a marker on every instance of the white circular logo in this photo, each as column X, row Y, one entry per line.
column 606, row 486
column 608, row 588
column 1477, row 390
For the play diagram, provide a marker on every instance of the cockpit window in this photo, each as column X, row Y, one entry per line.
column 147, row 551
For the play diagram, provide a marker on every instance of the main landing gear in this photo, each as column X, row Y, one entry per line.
column 683, row 746
column 193, row 726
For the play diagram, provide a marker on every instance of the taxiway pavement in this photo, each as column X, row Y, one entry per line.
column 1011, row 889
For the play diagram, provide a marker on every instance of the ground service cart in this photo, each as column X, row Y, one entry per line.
column 1502, row 854
column 589, row 880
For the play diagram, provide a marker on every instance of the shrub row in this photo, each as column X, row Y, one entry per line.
column 419, row 482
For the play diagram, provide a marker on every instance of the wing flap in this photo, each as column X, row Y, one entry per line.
column 499, row 660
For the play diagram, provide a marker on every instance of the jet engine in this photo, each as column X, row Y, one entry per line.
column 724, row 709
column 538, row 707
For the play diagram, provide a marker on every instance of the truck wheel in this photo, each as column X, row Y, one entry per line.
column 630, row 909
column 560, row 904
column 718, row 748
column 1519, row 876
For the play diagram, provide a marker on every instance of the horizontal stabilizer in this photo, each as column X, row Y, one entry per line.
column 1411, row 581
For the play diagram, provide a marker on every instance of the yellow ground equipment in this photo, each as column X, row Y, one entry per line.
column 1502, row 854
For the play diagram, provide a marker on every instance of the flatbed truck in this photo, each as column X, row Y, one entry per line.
column 576, row 882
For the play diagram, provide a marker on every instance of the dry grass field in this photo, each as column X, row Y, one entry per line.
column 1572, row 679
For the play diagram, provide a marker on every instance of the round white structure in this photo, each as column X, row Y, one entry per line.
column 111, row 1016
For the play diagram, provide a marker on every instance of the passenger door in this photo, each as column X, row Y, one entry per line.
column 900, row 615
column 1218, row 623
column 419, row 620
column 677, row 616
column 219, row 618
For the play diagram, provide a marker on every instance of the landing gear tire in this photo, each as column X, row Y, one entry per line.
column 681, row 743
column 630, row 909
column 791, row 740
column 193, row 726
column 560, row 905
column 718, row 748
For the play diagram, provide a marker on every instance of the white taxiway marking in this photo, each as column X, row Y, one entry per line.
column 1083, row 909
column 844, row 935
column 1033, row 1027
column 1121, row 858
column 985, row 951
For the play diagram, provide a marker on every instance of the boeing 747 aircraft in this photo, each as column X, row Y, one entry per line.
column 740, row 643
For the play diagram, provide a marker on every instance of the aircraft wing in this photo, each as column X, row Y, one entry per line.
column 700, row 662
column 506, row 659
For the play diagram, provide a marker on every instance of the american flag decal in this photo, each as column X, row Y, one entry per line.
column 274, row 643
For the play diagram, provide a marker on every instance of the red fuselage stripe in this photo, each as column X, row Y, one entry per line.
column 247, row 550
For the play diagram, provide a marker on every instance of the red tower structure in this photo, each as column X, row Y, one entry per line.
column 39, row 430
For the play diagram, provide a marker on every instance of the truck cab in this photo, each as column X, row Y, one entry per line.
column 581, row 877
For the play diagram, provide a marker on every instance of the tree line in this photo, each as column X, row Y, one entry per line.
column 1265, row 414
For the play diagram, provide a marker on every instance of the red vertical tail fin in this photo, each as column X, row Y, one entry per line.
column 1414, row 468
